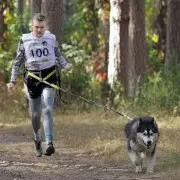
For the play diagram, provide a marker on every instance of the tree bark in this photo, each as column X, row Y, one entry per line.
column 137, row 61
column 53, row 10
column 160, row 25
column 118, row 42
column 124, row 45
column 173, row 29
column 114, row 42
column 36, row 6
column 20, row 7
column 3, row 26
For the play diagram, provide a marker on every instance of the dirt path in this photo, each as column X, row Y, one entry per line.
column 17, row 162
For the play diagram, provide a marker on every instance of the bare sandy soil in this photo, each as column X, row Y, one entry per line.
column 18, row 162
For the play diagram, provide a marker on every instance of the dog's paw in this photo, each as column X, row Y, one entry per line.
column 138, row 169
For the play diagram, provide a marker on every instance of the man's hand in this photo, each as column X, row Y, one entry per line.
column 67, row 67
column 10, row 86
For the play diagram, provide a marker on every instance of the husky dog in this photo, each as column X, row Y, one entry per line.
column 142, row 135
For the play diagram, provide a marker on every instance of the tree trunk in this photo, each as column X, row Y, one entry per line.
column 2, row 23
column 173, row 29
column 137, row 61
column 160, row 25
column 36, row 6
column 124, row 45
column 114, row 42
column 118, row 41
column 20, row 7
column 53, row 10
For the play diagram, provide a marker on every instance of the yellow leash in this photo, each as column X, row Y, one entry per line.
column 43, row 80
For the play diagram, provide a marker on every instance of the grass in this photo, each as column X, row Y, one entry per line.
column 102, row 135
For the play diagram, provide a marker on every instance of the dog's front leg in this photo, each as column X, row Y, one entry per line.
column 136, row 160
column 151, row 161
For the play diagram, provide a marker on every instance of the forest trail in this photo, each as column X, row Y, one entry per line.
column 17, row 162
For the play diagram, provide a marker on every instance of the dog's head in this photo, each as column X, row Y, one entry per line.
column 147, row 131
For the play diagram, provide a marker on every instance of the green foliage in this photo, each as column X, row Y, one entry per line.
column 80, row 28
column 5, row 58
column 8, row 54
column 26, row 19
column 151, row 11
column 14, row 30
column 6, row 48
column 155, row 58
column 161, row 91
column 80, row 80
column 81, row 33
column 161, row 88
column 155, row 54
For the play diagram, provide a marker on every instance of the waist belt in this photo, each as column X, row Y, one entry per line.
column 40, row 79
column 43, row 80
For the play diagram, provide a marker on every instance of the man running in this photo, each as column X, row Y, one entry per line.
column 39, row 52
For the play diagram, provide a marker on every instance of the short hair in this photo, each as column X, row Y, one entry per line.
column 39, row 17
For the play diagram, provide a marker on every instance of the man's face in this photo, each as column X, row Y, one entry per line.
column 38, row 28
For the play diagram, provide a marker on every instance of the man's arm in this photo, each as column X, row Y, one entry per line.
column 20, row 57
column 61, row 60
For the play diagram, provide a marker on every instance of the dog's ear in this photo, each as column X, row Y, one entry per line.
column 140, row 120
column 154, row 122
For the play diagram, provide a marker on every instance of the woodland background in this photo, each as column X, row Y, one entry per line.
column 125, row 54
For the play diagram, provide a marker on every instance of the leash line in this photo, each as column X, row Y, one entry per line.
column 43, row 80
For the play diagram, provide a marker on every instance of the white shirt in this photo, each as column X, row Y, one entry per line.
column 39, row 52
